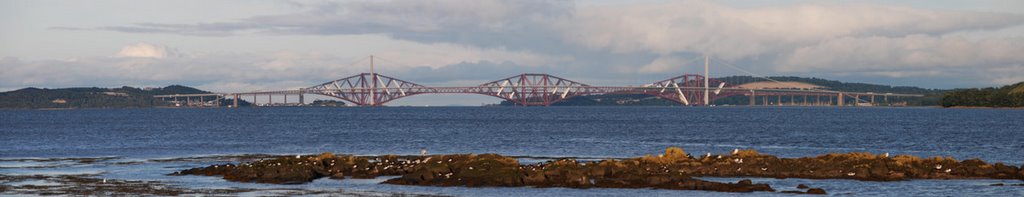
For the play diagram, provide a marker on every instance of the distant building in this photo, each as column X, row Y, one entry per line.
column 115, row 93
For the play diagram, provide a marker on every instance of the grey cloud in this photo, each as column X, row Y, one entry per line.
column 513, row 24
column 905, row 53
column 988, row 60
column 735, row 33
column 801, row 38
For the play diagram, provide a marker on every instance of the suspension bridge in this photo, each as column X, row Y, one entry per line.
column 537, row 89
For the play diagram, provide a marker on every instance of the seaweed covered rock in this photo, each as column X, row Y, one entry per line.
column 499, row 171
column 303, row 169
column 671, row 170
column 464, row 170
column 816, row 191
column 859, row 166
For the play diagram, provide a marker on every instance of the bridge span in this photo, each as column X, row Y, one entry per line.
column 528, row 89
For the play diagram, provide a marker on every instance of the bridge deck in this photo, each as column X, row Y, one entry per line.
column 541, row 89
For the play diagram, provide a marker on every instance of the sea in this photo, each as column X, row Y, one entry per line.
column 146, row 144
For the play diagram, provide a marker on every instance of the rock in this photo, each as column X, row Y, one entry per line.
column 816, row 191
column 745, row 182
column 746, row 153
column 675, row 152
column 1020, row 173
column 802, row 186
column 338, row 176
column 671, row 170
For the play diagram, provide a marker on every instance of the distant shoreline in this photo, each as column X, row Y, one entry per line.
column 982, row 107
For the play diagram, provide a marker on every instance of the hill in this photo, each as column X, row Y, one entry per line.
column 123, row 97
column 1006, row 96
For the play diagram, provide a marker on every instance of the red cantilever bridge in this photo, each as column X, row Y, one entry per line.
column 371, row 89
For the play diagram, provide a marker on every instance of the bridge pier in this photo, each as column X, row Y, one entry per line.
column 753, row 98
column 839, row 101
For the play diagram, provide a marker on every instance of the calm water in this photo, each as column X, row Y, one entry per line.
column 994, row 135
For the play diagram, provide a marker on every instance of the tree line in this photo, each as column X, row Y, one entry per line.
column 123, row 97
column 1006, row 96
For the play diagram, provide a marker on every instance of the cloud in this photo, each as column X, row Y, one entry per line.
column 732, row 33
column 903, row 53
column 146, row 50
column 663, row 64
column 145, row 64
column 912, row 55
column 646, row 38
column 514, row 24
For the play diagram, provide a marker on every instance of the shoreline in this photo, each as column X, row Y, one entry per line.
column 982, row 107
column 673, row 170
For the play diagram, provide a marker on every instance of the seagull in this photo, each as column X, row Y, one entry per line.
column 423, row 152
column 708, row 155
column 949, row 170
column 851, row 174
column 734, row 151
column 298, row 156
column 938, row 167
column 738, row 160
column 885, row 154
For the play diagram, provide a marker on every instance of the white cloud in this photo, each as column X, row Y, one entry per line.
column 146, row 50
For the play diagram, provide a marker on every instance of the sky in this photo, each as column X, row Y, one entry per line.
column 245, row 45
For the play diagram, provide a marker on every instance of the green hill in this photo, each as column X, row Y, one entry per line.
column 1019, row 89
column 1006, row 96
column 123, row 97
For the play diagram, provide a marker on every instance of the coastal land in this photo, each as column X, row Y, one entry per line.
column 1010, row 96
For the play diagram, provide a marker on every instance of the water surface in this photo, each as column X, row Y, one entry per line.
column 139, row 135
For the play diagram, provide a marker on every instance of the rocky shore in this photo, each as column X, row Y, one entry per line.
column 674, row 169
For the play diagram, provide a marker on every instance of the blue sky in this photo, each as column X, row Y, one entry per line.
column 231, row 46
